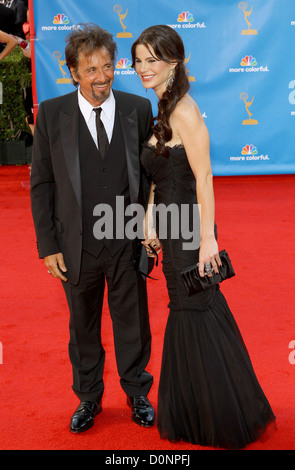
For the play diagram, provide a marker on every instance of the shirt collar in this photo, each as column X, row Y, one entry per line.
column 108, row 106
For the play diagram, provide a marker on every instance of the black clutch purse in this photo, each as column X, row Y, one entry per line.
column 194, row 283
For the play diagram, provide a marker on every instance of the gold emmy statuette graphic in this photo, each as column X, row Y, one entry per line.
column 58, row 56
column 243, row 6
column 190, row 78
column 248, row 122
column 118, row 10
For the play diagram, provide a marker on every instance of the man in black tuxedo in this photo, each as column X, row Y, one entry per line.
column 74, row 168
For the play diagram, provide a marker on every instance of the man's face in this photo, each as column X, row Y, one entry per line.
column 95, row 74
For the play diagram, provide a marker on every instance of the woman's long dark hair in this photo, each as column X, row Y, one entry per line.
column 165, row 44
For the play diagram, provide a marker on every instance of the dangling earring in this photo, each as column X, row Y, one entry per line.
column 170, row 80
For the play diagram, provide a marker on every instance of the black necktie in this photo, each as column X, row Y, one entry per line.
column 102, row 138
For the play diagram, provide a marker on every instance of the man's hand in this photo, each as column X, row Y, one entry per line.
column 56, row 266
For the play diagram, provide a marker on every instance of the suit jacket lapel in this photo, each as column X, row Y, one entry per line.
column 69, row 135
column 129, row 127
column 129, row 123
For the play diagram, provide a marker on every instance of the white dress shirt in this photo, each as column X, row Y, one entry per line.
column 107, row 115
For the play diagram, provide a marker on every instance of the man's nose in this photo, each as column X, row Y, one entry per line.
column 101, row 75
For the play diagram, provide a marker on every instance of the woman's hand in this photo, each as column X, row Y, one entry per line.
column 154, row 242
column 209, row 254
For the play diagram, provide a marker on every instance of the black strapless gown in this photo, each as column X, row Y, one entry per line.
column 208, row 391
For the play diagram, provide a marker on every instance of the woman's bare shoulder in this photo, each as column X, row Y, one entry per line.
column 186, row 112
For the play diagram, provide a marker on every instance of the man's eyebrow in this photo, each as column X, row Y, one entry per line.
column 95, row 66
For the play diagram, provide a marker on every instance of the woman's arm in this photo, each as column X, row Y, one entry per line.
column 192, row 131
column 148, row 221
column 10, row 42
column 149, row 231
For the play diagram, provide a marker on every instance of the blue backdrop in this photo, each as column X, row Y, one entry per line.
column 241, row 61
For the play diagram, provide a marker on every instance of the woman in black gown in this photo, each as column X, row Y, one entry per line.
column 208, row 392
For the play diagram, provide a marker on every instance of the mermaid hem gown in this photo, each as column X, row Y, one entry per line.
column 208, row 391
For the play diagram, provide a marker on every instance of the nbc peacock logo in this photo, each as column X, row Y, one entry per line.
column 123, row 64
column 61, row 18
column 249, row 63
column 60, row 22
column 124, row 67
column 249, row 153
column 249, row 150
column 185, row 17
column 248, row 60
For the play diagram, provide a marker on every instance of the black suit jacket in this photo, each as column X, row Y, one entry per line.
column 55, row 175
column 19, row 10
column 7, row 20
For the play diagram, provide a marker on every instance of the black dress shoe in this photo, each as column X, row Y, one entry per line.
column 83, row 418
column 142, row 411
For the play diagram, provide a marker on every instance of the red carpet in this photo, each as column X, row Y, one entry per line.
column 255, row 216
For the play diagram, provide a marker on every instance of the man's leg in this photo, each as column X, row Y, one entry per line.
column 85, row 348
column 128, row 305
